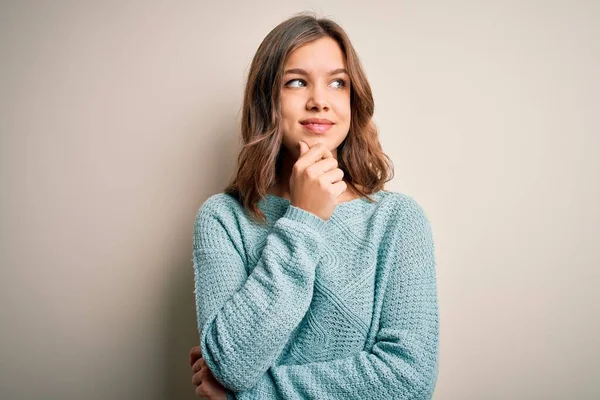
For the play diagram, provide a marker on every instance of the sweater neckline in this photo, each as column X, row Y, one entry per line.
column 342, row 209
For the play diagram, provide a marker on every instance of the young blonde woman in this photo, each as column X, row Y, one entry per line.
column 311, row 280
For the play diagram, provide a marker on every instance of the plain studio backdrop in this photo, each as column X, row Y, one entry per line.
column 118, row 119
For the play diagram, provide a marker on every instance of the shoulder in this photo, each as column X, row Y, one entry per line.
column 409, row 236
column 406, row 218
column 217, row 223
column 218, row 205
column 220, row 210
column 402, row 206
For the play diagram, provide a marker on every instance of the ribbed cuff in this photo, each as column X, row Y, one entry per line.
column 298, row 214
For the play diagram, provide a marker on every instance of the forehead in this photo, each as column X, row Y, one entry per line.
column 321, row 55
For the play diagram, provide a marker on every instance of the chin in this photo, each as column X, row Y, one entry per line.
column 312, row 140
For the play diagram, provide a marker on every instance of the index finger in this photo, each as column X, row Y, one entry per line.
column 314, row 154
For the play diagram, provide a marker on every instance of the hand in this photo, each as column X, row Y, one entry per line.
column 316, row 181
column 206, row 384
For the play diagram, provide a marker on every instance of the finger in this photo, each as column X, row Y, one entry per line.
column 314, row 154
column 333, row 176
column 196, row 378
column 303, row 148
column 339, row 187
column 197, row 366
column 195, row 353
column 202, row 391
column 205, row 376
column 322, row 166
column 205, row 372
column 211, row 388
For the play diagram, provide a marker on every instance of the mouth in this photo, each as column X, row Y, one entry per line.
column 317, row 125
column 317, row 128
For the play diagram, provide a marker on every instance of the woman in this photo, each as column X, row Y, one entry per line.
column 311, row 280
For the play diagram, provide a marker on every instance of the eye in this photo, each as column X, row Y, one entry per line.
column 342, row 83
column 294, row 80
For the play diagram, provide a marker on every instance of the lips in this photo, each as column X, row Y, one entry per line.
column 317, row 128
column 317, row 125
column 318, row 121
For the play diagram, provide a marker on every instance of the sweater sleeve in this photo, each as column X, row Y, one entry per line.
column 245, row 320
column 403, row 362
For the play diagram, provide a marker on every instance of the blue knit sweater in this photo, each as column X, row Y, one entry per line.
column 304, row 308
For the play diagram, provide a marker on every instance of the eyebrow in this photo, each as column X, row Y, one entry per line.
column 300, row 71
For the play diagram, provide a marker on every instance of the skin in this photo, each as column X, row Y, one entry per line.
column 204, row 381
column 315, row 95
column 309, row 176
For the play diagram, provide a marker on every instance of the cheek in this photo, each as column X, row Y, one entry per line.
column 342, row 103
column 289, row 116
column 343, row 109
column 347, row 112
column 289, row 105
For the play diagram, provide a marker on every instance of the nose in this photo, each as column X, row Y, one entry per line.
column 317, row 99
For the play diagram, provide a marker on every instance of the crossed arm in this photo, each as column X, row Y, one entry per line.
column 245, row 320
column 402, row 364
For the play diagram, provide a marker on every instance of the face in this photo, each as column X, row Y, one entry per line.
column 315, row 85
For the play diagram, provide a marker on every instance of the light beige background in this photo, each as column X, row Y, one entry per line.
column 118, row 119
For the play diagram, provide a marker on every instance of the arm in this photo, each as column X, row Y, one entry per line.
column 403, row 361
column 245, row 321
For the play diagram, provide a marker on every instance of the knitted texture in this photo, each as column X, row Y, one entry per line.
column 303, row 308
